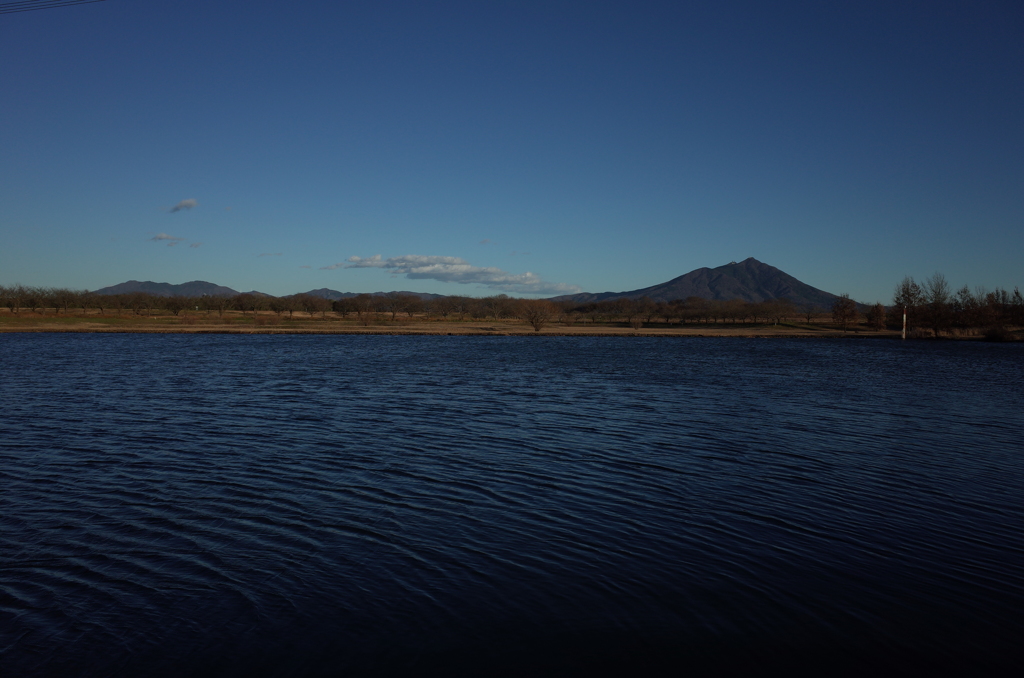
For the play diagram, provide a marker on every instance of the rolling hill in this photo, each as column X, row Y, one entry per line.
column 196, row 288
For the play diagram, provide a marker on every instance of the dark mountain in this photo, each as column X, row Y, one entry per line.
column 334, row 295
column 196, row 288
column 749, row 280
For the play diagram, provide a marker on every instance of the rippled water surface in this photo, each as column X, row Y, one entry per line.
column 299, row 505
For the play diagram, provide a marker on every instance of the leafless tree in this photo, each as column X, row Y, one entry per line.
column 907, row 298
column 496, row 306
column 14, row 298
column 250, row 302
column 363, row 305
column 876, row 317
column 844, row 311
column 537, row 312
column 413, row 305
column 442, row 306
column 393, row 303
column 217, row 303
column 62, row 298
column 936, row 296
column 343, row 306
column 139, row 302
column 177, row 304
column 460, row 306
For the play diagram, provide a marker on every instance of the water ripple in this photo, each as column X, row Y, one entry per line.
column 408, row 505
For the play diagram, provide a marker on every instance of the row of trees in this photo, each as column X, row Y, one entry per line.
column 935, row 306
column 636, row 312
column 931, row 304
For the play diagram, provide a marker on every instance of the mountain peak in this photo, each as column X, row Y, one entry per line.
column 749, row 280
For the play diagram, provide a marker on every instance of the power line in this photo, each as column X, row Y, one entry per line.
column 33, row 5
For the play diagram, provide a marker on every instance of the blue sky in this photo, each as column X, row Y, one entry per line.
column 527, row 148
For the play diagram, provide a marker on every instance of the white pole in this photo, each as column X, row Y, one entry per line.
column 904, row 323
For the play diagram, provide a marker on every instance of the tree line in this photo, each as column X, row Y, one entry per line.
column 930, row 306
column 637, row 312
column 934, row 306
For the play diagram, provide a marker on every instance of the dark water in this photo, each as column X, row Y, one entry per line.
column 256, row 505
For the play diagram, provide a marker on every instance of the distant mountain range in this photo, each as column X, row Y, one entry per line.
column 196, row 288
column 334, row 295
column 199, row 288
column 749, row 280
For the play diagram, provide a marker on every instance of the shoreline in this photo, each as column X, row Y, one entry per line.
column 471, row 331
column 273, row 325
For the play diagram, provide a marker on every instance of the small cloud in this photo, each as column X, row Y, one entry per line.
column 268, row 254
column 305, row 267
column 454, row 269
column 169, row 239
column 195, row 244
column 485, row 241
column 369, row 262
column 184, row 205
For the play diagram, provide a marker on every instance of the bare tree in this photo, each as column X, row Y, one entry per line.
column 567, row 312
column 363, row 305
column 442, row 306
column 497, row 306
column 217, row 303
column 779, row 309
column 118, row 302
column 460, row 306
column 307, row 303
column 413, row 305
column 343, row 306
column 250, row 302
column 907, row 298
column 139, row 302
column 936, row 295
column 177, row 304
column 63, row 298
column 538, row 312
column 876, row 317
column 393, row 303
column 844, row 311
column 32, row 299
column 14, row 297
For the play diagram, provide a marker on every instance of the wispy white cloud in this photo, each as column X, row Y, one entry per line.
column 454, row 269
column 169, row 239
column 269, row 254
column 184, row 205
column 195, row 244
column 305, row 267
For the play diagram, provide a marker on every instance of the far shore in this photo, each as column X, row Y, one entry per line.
column 237, row 323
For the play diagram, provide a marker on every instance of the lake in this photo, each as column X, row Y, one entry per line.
column 349, row 505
